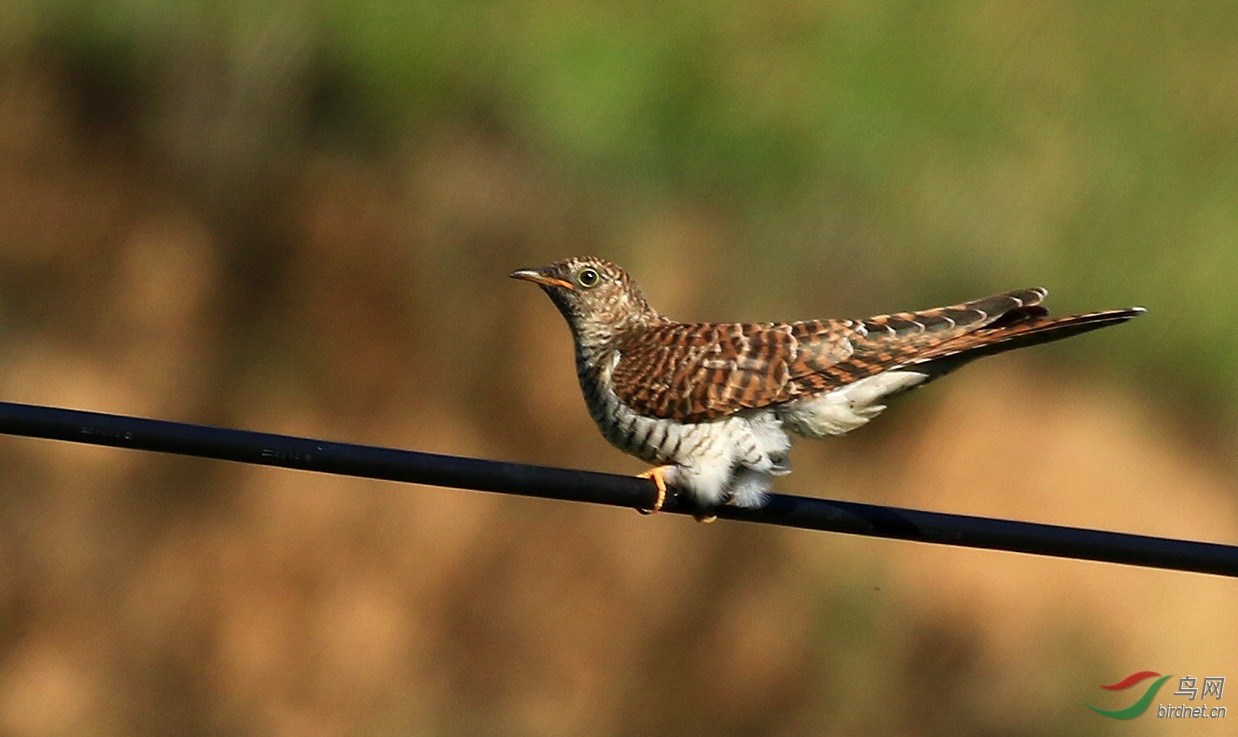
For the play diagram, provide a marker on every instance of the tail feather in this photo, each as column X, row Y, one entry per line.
column 1018, row 328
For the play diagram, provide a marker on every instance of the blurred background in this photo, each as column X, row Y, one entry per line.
column 299, row 216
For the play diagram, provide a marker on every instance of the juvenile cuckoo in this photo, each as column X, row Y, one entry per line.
column 710, row 404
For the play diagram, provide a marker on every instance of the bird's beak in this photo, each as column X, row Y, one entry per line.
column 538, row 277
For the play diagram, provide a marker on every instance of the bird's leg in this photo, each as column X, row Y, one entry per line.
column 659, row 480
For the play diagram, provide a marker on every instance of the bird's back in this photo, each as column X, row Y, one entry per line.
column 699, row 372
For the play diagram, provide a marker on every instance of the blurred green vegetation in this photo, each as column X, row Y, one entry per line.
column 926, row 149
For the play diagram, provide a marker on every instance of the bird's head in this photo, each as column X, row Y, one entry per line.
column 596, row 297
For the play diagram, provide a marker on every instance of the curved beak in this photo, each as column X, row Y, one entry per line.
column 537, row 277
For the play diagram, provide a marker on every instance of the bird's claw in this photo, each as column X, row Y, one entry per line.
column 659, row 480
column 657, row 474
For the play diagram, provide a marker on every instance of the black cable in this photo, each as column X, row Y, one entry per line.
column 601, row 488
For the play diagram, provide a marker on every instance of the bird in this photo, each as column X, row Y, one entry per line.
column 710, row 405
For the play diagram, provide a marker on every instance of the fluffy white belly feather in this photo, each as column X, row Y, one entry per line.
column 734, row 458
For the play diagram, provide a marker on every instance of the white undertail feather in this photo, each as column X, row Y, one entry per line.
column 844, row 409
column 716, row 473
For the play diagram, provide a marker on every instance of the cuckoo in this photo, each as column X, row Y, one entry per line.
column 710, row 404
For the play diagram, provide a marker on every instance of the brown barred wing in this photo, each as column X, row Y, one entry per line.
column 889, row 341
column 697, row 372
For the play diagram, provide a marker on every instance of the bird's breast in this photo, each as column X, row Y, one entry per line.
column 751, row 439
column 651, row 439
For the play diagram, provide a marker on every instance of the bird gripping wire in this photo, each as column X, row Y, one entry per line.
column 364, row 461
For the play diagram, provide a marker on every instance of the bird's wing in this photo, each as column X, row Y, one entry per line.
column 700, row 372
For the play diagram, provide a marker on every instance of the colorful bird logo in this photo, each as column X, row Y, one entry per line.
column 1144, row 701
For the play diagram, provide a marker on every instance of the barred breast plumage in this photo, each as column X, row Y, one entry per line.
column 710, row 403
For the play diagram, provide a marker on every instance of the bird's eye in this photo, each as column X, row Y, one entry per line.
column 588, row 277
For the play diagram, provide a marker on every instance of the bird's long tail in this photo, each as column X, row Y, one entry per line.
column 1018, row 328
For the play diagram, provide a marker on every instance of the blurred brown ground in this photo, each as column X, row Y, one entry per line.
column 216, row 265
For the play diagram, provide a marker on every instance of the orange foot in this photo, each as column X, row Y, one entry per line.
column 659, row 480
column 657, row 474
